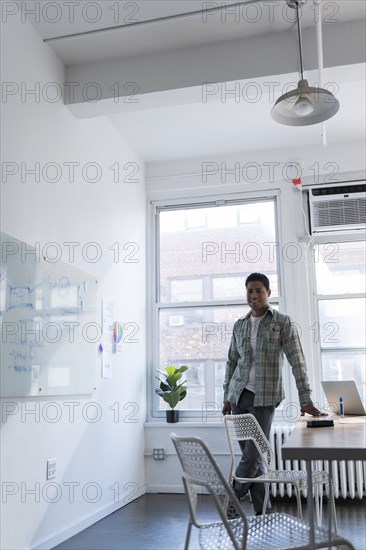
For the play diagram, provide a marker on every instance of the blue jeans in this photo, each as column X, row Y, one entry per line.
column 251, row 464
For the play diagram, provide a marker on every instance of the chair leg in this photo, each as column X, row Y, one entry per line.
column 317, row 506
column 321, row 497
column 188, row 535
column 266, row 498
column 298, row 500
column 331, row 499
column 333, row 506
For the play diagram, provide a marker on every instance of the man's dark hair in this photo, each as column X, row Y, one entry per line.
column 257, row 277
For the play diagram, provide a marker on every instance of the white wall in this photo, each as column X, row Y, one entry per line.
column 248, row 170
column 108, row 453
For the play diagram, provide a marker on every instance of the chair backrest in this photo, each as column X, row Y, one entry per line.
column 244, row 427
column 201, row 469
column 198, row 462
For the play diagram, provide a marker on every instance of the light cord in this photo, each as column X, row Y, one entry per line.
column 299, row 35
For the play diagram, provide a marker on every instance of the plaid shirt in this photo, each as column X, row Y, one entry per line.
column 276, row 336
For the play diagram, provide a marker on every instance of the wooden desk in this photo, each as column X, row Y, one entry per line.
column 346, row 440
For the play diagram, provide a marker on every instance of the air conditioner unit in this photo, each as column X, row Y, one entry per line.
column 176, row 320
column 337, row 207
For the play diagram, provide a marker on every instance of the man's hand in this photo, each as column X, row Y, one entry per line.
column 310, row 409
column 226, row 409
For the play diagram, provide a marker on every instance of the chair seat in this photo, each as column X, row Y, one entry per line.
column 269, row 532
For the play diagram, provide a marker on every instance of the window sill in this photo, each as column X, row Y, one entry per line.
column 212, row 422
column 182, row 424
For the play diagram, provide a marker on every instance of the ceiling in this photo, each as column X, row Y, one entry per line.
column 199, row 129
column 215, row 127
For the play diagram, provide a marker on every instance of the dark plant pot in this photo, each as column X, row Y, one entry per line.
column 172, row 416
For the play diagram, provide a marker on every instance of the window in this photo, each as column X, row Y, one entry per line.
column 341, row 307
column 186, row 290
column 227, row 287
column 200, row 291
column 246, row 214
column 195, row 219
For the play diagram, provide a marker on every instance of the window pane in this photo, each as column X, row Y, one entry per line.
column 273, row 283
column 346, row 366
column 248, row 214
column 204, row 255
column 196, row 218
column 228, row 287
column 220, row 367
column 342, row 323
column 186, row 290
column 199, row 338
column 340, row 268
column 217, row 245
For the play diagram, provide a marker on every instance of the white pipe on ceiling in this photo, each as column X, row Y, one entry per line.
column 319, row 42
column 214, row 8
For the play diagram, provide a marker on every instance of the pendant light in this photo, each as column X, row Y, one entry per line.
column 306, row 105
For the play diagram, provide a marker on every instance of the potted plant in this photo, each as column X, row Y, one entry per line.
column 171, row 390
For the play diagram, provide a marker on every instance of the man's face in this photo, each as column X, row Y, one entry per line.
column 257, row 297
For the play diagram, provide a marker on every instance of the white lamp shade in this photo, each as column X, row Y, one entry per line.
column 324, row 103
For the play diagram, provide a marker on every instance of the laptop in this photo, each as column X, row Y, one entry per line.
column 346, row 389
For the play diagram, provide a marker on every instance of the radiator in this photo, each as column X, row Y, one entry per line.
column 348, row 476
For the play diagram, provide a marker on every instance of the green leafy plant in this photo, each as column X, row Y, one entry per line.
column 170, row 389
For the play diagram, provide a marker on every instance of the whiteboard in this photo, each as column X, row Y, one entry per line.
column 49, row 324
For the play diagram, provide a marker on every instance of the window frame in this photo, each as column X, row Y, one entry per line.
column 321, row 239
column 153, row 263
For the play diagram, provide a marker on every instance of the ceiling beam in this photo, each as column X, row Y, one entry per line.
column 127, row 82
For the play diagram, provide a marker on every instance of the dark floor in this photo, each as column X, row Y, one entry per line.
column 158, row 522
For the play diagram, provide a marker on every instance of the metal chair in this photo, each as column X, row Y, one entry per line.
column 245, row 427
column 270, row 532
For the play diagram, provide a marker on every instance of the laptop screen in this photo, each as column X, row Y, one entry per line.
column 346, row 389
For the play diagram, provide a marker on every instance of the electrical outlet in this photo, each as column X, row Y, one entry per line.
column 51, row 468
column 158, row 454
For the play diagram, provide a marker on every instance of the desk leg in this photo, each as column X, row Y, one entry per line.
column 310, row 502
column 330, row 500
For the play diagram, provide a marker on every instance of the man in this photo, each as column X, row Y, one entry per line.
column 253, row 378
